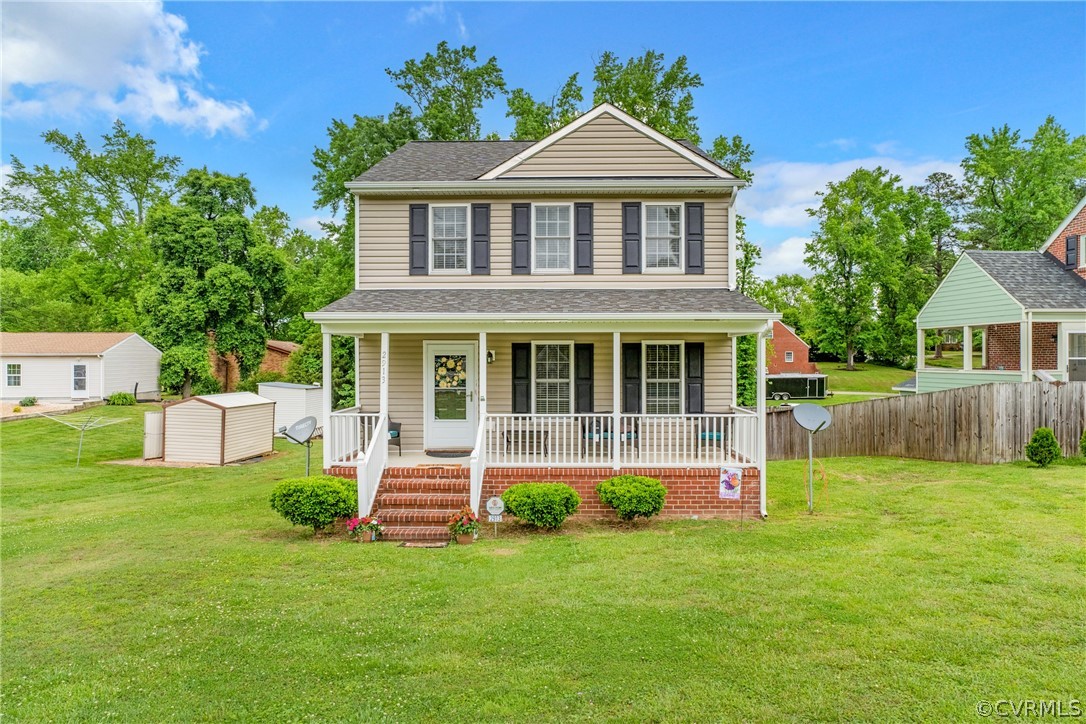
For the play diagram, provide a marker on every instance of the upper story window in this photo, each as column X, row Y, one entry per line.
column 788, row 356
column 552, row 369
column 552, row 231
column 15, row 375
column 449, row 232
column 663, row 378
column 663, row 237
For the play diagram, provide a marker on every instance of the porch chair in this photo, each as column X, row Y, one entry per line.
column 711, row 436
column 394, row 435
column 595, row 432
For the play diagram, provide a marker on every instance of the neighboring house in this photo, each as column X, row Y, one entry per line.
column 1030, row 306
column 276, row 354
column 226, row 371
column 791, row 372
column 77, row 366
column 557, row 310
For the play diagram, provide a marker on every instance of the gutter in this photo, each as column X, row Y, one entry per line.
column 473, row 187
column 551, row 317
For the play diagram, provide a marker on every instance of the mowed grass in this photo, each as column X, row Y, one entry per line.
column 867, row 377
column 917, row 589
column 834, row 399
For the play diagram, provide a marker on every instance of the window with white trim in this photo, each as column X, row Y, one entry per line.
column 788, row 356
column 552, row 371
column 552, row 237
column 663, row 379
column 15, row 375
column 663, row 236
column 449, row 238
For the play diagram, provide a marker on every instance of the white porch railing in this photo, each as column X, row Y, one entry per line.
column 478, row 467
column 642, row 440
column 349, row 435
column 372, row 466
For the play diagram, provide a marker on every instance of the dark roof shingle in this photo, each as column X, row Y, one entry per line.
column 1035, row 280
column 442, row 160
column 514, row 302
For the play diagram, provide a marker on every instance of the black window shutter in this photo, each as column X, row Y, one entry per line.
column 631, row 238
column 631, row 378
column 522, row 377
column 418, row 234
column 695, row 378
column 582, row 238
column 695, row 238
column 522, row 238
column 583, row 366
column 1072, row 251
column 480, row 238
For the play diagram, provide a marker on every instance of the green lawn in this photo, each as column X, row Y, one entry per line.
column 867, row 377
column 834, row 399
column 953, row 360
column 145, row 594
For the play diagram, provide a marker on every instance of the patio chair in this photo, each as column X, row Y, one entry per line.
column 717, row 435
column 394, row 435
column 596, row 431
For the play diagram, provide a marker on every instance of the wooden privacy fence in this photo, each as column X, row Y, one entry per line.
column 982, row 424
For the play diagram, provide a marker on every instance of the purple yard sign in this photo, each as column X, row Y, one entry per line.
column 731, row 480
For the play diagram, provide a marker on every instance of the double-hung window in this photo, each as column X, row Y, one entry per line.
column 552, row 366
column 449, row 233
column 788, row 357
column 663, row 237
column 663, row 378
column 552, row 232
column 15, row 375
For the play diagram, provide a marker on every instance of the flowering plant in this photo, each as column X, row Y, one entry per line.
column 369, row 524
column 464, row 522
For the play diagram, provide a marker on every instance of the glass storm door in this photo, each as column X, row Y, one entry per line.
column 449, row 378
column 79, row 381
column 1076, row 357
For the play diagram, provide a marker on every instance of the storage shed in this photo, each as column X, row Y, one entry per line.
column 218, row 429
column 293, row 401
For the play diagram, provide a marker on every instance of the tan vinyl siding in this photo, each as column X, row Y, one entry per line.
column 405, row 395
column 193, row 433
column 248, row 431
column 383, row 248
column 606, row 147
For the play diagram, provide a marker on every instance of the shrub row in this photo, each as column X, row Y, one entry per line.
column 547, row 505
column 121, row 399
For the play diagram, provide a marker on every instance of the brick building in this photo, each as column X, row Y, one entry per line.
column 789, row 354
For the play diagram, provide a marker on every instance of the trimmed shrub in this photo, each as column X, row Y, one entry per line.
column 28, row 401
column 16, row 409
column 121, row 399
column 250, row 383
column 1043, row 449
column 633, row 496
column 1082, row 444
column 544, row 505
column 315, row 501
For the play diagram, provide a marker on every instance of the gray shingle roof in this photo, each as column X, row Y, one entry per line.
column 515, row 302
column 1035, row 280
column 443, row 160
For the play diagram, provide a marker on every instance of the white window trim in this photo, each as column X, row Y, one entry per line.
column 789, row 357
column 430, row 246
column 645, row 376
column 681, row 269
column 8, row 374
column 572, row 237
column 572, row 384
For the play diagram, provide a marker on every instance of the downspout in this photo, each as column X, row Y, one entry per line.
column 762, row 419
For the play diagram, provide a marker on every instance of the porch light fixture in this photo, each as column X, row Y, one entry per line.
column 490, row 356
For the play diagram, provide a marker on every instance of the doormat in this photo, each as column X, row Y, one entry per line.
column 425, row 544
column 449, row 454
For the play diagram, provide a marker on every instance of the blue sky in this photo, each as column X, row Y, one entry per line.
column 817, row 89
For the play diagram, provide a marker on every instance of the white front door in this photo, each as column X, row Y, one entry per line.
column 79, row 381
column 449, row 375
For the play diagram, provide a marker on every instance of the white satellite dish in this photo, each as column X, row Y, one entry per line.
column 811, row 418
column 301, row 432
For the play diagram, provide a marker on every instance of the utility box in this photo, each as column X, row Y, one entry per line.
column 152, row 435
column 293, row 401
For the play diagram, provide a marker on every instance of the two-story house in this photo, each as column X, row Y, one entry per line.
column 556, row 310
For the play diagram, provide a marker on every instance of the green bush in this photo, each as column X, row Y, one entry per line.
column 251, row 383
column 544, row 505
column 1082, row 443
column 633, row 496
column 121, row 399
column 28, row 401
column 1043, row 448
column 315, row 501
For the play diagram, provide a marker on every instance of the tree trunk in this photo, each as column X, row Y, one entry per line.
column 938, row 348
column 851, row 366
column 186, row 386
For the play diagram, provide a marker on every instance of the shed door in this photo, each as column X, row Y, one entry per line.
column 79, row 381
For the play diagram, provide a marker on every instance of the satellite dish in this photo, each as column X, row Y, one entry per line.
column 301, row 431
column 811, row 417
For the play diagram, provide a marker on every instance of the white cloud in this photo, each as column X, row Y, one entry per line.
column 784, row 190
column 312, row 224
column 123, row 59
column 886, row 148
column 436, row 11
column 5, row 171
column 843, row 144
column 784, row 258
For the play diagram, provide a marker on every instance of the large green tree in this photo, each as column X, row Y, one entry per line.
column 538, row 119
column 648, row 89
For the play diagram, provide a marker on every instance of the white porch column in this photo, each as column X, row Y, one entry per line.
column 761, row 418
column 967, row 348
column 616, row 395
column 482, row 378
column 326, row 394
column 384, row 374
column 920, row 339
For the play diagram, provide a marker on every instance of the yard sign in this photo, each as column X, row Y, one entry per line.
column 731, row 482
